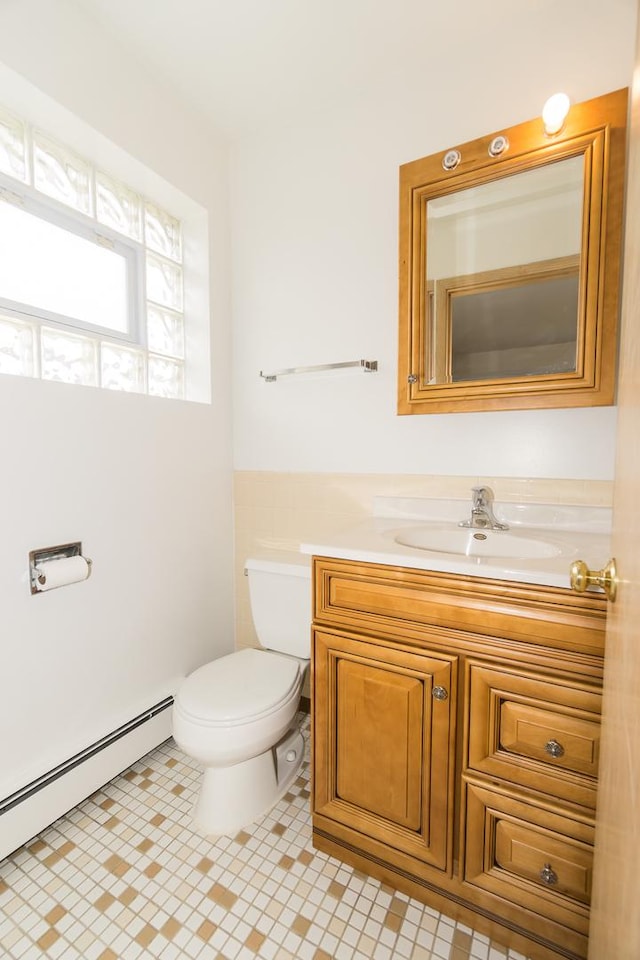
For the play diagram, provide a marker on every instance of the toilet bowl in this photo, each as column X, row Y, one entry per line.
column 236, row 715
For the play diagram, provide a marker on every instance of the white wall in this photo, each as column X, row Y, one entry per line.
column 314, row 212
column 144, row 483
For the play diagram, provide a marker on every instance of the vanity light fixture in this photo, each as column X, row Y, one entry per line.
column 498, row 146
column 554, row 113
column 451, row 159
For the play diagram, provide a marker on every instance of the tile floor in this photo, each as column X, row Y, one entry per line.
column 124, row 876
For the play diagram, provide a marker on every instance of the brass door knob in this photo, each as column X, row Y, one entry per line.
column 582, row 577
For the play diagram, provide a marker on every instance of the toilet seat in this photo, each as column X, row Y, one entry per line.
column 239, row 688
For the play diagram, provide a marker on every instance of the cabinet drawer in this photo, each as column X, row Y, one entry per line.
column 372, row 597
column 530, row 855
column 541, row 733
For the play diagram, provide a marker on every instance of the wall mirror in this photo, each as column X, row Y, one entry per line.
column 510, row 267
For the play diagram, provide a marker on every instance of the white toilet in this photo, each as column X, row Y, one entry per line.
column 235, row 715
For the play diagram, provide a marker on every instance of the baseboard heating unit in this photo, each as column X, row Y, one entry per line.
column 33, row 807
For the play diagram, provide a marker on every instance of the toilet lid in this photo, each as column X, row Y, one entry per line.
column 238, row 688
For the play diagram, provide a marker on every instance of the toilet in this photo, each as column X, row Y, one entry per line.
column 236, row 715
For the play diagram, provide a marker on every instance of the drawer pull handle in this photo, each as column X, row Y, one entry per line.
column 439, row 693
column 548, row 875
column 554, row 749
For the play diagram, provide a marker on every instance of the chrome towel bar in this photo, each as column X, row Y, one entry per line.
column 368, row 366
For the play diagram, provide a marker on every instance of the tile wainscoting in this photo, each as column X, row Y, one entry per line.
column 281, row 510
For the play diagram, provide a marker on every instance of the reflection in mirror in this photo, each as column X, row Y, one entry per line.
column 515, row 331
column 510, row 266
column 502, row 271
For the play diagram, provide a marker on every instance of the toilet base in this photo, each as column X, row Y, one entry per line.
column 232, row 797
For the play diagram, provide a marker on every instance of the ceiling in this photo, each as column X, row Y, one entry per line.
column 251, row 64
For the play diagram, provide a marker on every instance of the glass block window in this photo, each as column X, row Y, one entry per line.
column 118, row 207
column 13, row 149
column 91, row 285
column 61, row 174
column 17, row 348
column 69, row 358
column 122, row 369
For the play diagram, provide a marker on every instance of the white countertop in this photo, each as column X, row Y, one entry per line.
column 373, row 541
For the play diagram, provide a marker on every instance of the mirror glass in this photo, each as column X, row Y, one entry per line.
column 509, row 267
column 502, row 275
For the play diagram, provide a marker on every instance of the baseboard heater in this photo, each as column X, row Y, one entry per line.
column 34, row 806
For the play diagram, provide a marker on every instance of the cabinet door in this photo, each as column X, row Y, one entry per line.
column 383, row 743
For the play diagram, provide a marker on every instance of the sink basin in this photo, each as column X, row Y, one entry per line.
column 466, row 542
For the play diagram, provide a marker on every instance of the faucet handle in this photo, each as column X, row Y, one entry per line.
column 482, row 495
column 482, row 511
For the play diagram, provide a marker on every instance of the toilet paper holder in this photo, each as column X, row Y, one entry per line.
column 46, row 554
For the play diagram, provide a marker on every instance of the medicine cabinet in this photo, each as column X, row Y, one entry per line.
column 509, row 267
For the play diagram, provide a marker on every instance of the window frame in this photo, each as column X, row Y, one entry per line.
column 174, row 335
column 66, row 218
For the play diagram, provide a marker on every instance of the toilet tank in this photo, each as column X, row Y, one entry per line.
column 280, row 595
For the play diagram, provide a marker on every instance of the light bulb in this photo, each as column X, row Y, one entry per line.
column 555, row 112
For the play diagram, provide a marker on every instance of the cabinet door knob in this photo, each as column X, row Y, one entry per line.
column 439, row 693
column 582, row 577
column 554, row 749
column 548, row 875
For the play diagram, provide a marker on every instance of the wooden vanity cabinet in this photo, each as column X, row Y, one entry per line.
column 455, row 732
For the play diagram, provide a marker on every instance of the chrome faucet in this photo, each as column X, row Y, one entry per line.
column 482, row 516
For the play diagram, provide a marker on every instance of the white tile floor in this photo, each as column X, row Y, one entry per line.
column 124, row 876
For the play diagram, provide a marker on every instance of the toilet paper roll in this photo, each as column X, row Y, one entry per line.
column 58, row 573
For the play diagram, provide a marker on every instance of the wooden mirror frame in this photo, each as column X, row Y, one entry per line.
column 595, row 129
